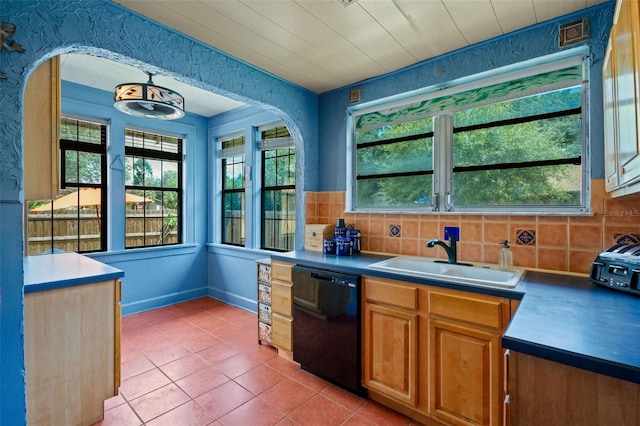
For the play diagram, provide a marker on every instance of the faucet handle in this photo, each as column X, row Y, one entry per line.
column 451, row 233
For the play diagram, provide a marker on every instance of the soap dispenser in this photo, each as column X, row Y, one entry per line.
column 506, row 256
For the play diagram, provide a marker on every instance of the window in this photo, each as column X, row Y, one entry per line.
column 233, row 191
column 76, row 220
column 514, row 142
column 153, row 189
column 278, row 189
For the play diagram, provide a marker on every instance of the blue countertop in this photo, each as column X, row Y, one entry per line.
column 562, row 318
column 50, row 271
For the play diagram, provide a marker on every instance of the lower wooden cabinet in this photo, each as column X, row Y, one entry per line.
column 391, row 352
column 72, row 352
column 282, row 306
column 433, row 353
column 544, row 392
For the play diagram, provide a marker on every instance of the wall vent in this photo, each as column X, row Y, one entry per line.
column 574, row 32
column 355, row 95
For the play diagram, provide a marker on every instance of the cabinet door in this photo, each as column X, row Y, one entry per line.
column 281, row 331
column 465, row 382
column 626, row 37
column 390, row 352
column 42, row 132
column 281, row 298
column 610, row 120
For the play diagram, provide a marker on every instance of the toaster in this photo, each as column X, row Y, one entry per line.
column 618, row 268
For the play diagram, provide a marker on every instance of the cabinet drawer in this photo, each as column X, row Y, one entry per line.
column 264, row 313
column 264, row 273
column 391, row 293
column 264, row 294
column 281, row 271
column 481, row 311
column 281, row 298
column 281, row 331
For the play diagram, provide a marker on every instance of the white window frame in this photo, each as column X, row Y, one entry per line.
column 443, row 136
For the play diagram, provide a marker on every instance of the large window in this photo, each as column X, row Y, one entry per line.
column 233, row 190
column 75, row 220
column 278, row 211
column 153, row 189
column 514, row 142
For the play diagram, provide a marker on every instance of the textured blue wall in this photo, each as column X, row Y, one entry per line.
column 532, row 42
column 162, row 276
column 101, row 28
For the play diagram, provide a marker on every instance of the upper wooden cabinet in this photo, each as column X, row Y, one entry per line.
column 621, row 95
column 42, row 132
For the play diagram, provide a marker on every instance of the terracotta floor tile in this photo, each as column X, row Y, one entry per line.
column 382, row 415
column 158, row 402
column 358, row 420
column 144, row 383
column 179, row 329
column 200, row 342
column 122, row 415
column 309, row 380
column 188, row 414
column 343, row 397
column 287, row 395
column 236, row 365
column 224, row 399
column 202, row 381
column 284, row 366
column 135, row 365
column 184, row 367
column 218, row 352
column 321, row 411
column 255, row 413
column 167, row 354
column 287, row 422
column 212, row 371
column 114, row 402
column 260, row 379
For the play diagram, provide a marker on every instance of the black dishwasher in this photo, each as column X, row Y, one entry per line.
column 326, row 325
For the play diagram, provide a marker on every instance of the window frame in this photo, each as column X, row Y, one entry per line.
column 443, row 171
column 274, row 144
column 146, row 154
column 69, row 145
column 232, row 152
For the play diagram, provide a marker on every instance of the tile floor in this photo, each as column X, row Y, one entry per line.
column 199, row 363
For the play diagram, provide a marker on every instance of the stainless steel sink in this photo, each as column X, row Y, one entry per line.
column 477, row 274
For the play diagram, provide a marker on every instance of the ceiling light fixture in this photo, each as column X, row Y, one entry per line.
column 148, row 100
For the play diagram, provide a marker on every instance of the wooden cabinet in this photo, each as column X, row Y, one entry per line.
column 466, row 376
column 264, row 301
column 42, row 132
column 72, row 352
column 548, row 393
column 621, row 95
column 390, row 344
column 433, row 353
column 281, row 305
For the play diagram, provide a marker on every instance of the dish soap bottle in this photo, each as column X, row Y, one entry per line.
column 506, row 256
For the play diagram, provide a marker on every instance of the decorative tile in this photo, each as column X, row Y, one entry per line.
column 526, row 237
column 626, row 238
column 574, row 32
column 394, row 230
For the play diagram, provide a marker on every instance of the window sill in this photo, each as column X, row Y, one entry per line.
column 144, row 253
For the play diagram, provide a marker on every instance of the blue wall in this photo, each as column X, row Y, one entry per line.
column 529, row 43
column 159, row 276
column 102, row 28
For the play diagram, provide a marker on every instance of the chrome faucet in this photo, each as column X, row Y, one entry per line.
column 451, row 249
